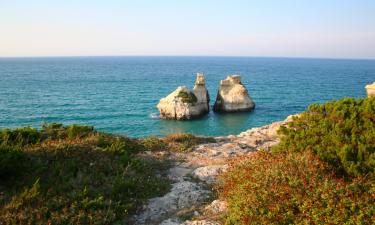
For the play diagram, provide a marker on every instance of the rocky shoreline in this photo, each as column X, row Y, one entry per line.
column 191, row 200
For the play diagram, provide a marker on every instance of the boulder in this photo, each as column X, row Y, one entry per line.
column 233, row 96
column 370, row 90
column 184, row 104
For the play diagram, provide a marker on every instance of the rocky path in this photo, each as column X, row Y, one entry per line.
column 191, row 200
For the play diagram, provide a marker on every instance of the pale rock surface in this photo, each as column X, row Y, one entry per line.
column 233, row 96
column 200, row 91
column 188, row 222
column 174, row 107
column 370, row 88
column 217, row 207
column 171, row 221
column 208, row 174
column 183, row 194
column 200, row 222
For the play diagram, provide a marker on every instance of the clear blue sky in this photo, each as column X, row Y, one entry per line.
column 281, row 28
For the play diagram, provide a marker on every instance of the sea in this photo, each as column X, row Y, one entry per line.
column 120, row 94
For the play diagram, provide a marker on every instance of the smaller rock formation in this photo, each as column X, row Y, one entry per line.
column 233, row 96
column 184, row 104
column 370, row 90
column 201, row 92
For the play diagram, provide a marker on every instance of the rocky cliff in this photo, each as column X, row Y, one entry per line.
column 233, row 96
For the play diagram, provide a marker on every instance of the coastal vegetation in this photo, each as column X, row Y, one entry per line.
column 187, row 97
column 322, row 172
column 76, row 175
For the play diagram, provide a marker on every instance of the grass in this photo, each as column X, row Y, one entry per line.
column 179, row 142
column 76, row 175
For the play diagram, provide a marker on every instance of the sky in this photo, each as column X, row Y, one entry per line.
column 263, row 28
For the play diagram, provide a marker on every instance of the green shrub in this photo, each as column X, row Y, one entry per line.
column 154, row 144
column 12, row 161
column 27, row 196
column 187, row 97
column 182, row 142
column 341, row 133
column 83, row 178
column 53, row 131
column 294, row 188
column 78, row 131
column 20, row 136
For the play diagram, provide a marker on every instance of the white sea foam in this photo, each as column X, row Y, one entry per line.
column 154, row 115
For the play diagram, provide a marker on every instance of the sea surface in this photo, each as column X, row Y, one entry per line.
column 119, row 94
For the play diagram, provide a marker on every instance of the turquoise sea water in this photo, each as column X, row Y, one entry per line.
column 119, row 94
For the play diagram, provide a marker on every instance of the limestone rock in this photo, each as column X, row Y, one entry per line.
column 184, row 104
column 201, row 92
column 209, row 173
column 370, row 90
column 217, row 206
column 233, row 96
column 183, row 194
column 200, row 222
column 171, row 221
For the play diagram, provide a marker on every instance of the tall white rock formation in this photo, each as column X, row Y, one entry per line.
column 233, row 96
column 184, row 104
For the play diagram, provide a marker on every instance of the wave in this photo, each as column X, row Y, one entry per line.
column 154, row 115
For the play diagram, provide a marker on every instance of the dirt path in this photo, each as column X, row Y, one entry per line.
column 191, row 200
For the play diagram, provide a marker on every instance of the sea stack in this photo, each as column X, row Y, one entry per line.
column 370, row 90
column 233, row 96
column 184, row 104
column 200, row 91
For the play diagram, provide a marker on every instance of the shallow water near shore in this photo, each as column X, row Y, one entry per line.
column 119, row 94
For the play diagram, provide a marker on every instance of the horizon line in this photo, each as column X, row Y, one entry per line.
column 218, row 56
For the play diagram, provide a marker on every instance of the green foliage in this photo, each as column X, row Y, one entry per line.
column 12, row 161
column 154, row 144
column 294, row 188
column 54, row 131
column 179, row 142
column 25, row 197
column 78, row 131
column 19, row 136
column 83, row 177
column 187, row 97
column 182, row 142
column 341, row 133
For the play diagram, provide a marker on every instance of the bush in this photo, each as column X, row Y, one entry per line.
column 19, row 136
column 182, row 142
column 57, row 131
column 294, row 188
column 187, row 97
column 53, row 131
column 341, row 133
column 78, row 131
column 12, row 161
column 154, row 144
